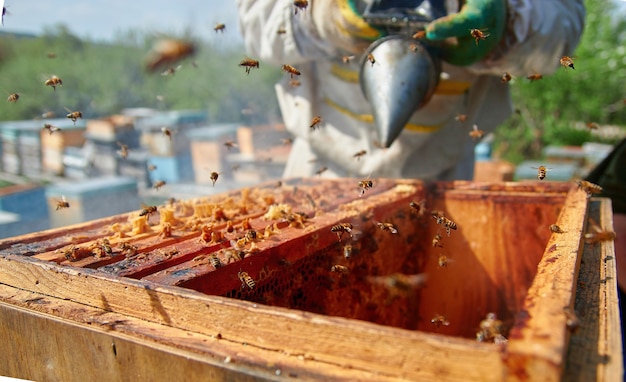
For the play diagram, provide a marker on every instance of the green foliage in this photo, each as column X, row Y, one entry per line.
column 552, row 110
column 102, row 79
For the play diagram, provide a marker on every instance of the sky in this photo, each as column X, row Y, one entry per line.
column 100, row 19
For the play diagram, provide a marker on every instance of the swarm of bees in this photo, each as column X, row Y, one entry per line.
column 291, row 70
column 53, row 81
column 248, row 64
column 479, row 34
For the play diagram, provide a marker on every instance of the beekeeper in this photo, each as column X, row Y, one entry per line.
column 525, row 37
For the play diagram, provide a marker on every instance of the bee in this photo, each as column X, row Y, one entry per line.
column 592, row 126
column 251, row 235
column 419, row 35
column 321, row 170
column 439, row 320
column 53, row 81
column 246, row 280
column 365, row 185
column 214, row 175
column 171, row 70
column 387, row 227
column 342, row 228
column 534, row 77
column 541, row 172
column 599, row 234
column 128, row 249
column 73, row 115
column 437, row 241
column 414, row 48
column 123, row 151
column 219, row 28
column 106, row 246
column 167, row 52
column 148, row 210
column 443, row 261
column 461, row 117
column 588, row 187
column 445, row 222
column 230, row 144
column 158, row 184
column 249, row 63
column 567, row 61
column 371, row 58
column 346, row 59
column 479, row 34
column 339, row 269
column 315, row 122
column 281, row 31
column 399, row 283
column 62, row 203
column 13, row 97
column 490, row 328
column 556, row 229
column 51, row 129
column 151, row 167
column 300, row 4
column 359, row 154
column 294, row 83
column 167, row 132
column 215, row 261
column 418, row 207
column 291, row 70
column 506, row 77
column 476, row 133
column 347, row 251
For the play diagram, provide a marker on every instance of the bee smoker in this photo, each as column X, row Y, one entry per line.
column 398, row 74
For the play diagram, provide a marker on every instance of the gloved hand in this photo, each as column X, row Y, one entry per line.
column 489, row 16
column 340, row 23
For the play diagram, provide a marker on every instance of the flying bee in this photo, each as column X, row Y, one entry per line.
column 419, row 35
column 62, row 203
column 246, row 280
column 437, row 241
column 230, row 144
column 387, row 227
column 479, row 34
column 439, row 320
column 566, row 62
column 588, row 187
column 541, row 172
column 476, row 133
column 359, row 154
column 365, row 185
column 158, row 184
column 13, row 97
column 461, row 117
column 294, row 83
column 53, row 81
column 506, row 77
column 315, row 122
column 339, row 269
column 592, row 126
column 51, row 129
column 167, row 132
column 534, row 77
column 599, row 234
column 73, row 115
column 444, row 222
column 123, row 151
column 300, row 4
column 214, row 175
column 249, row 63
column 219, row 28
column 281, row 31
column 291, row 70
column 371, row 58
column 171, row 70
column 342, row 228
column 443, row 261
column 556, row 229
column 167, row 52
column 418, row 207
column 321, row 170
column 346, row 59
column 148, row 210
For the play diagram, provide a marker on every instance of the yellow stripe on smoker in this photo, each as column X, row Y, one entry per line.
column 369, row 118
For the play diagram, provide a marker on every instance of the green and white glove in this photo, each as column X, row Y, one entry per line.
column 487, row 16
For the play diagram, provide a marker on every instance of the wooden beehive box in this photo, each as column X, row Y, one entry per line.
column 159, row 305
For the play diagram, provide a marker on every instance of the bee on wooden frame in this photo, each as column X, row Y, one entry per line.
column 389, row 227
column 246, row 280
column 588, row 187
column 342, row 228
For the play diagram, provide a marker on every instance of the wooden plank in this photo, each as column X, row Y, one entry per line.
column 595, row 351
column 538, row 341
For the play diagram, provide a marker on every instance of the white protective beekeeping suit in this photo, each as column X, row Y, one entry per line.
column 433, row 145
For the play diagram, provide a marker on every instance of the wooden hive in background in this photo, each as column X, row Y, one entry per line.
column 179, row 294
